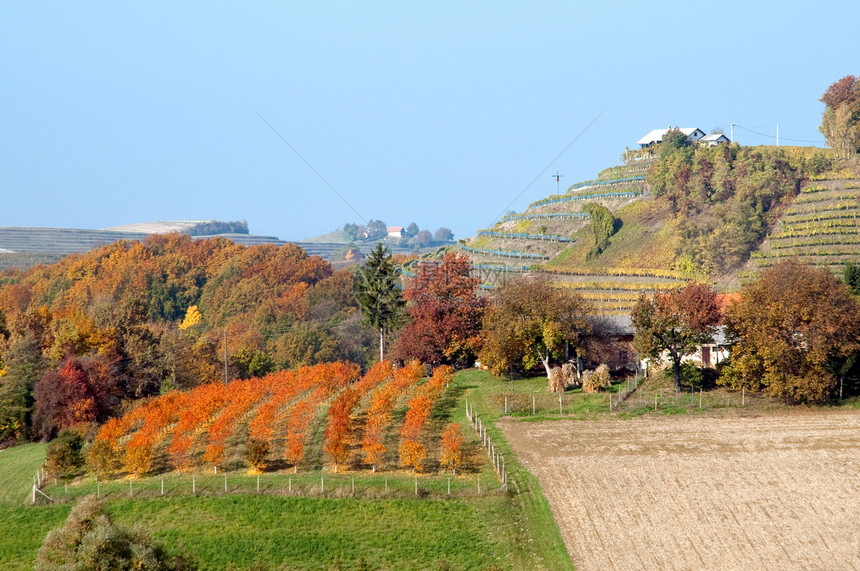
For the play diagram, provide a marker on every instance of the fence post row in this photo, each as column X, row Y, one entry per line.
column 498, row 461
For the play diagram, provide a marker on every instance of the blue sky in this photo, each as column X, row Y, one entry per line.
column 439, row 113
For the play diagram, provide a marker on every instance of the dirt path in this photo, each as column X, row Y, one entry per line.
column 774, row 492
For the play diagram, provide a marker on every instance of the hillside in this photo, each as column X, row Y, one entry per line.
column 24, row 247
column 820, row 227
column 685, row 213
column 554, row 235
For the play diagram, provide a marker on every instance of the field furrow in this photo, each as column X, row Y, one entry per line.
column 774, row 492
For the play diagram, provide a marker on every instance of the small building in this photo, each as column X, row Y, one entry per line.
column 656, row 136
column 396, row 232
column 714, row 139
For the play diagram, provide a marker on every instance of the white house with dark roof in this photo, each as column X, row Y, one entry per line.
column 656, row 136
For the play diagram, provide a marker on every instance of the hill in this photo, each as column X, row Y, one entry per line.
column 677, row 214
column 24, row 247
column 819, row 227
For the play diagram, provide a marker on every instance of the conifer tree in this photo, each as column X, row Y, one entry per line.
column 377, row 294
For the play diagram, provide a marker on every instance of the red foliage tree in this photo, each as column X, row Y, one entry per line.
column 445, row 314
column 842, row 91
column 80, row 392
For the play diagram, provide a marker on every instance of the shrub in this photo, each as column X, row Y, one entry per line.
column 63, row 457
column 89, row 540
column 691, row 375
column 255, row 454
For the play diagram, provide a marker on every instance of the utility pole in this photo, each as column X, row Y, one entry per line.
column 225, row 355
column 557, row 177
column 732, row 131
column 777, row 134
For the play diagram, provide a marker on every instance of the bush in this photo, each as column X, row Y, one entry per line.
column 691, row 375
column 256, row 453
column 88, row 540
column 64, row 457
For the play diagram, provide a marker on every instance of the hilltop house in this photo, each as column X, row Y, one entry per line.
column 656, row 136
column 714, row 139
column 694, row 135
column 396, row 232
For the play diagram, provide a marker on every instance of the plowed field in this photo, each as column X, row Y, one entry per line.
column 772, row 492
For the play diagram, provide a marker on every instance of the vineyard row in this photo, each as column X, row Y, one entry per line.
column 524, row 236
column 555, row 199
column 546, row 216
column 503, row 253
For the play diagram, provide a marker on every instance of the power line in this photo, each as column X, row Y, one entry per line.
column 363, row 219
column 774, row 137
column 540, row 174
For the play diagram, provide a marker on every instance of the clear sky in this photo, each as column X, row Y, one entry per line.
column 440, row 112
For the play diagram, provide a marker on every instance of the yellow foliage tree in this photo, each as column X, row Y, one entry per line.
column 192, row 318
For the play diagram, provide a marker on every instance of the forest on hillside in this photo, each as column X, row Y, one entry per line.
column 725, row 198
column 135, row 319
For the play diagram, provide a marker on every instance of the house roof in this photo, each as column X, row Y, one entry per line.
column 656, row 135
column 714, row 137
column 395, row 228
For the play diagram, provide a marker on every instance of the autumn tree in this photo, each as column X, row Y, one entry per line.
column 794, row 331
column 192, row 318
column 338, row 429
column 81, row 392
column 840, row 123
column 445, row 314
column 377, row 293
column 531, row 322
column 677, row 322
column 452, row 447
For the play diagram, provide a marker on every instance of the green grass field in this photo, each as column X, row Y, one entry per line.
column 294, row 523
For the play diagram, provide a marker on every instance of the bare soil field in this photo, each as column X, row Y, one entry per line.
column 769, row 492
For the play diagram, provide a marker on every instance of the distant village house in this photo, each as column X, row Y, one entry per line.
column 396, row 232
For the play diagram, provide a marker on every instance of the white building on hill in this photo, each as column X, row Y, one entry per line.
column 656, row 136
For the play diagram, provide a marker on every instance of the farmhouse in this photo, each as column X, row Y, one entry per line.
column 656, row 136
column 714, row 139
column 396, row 232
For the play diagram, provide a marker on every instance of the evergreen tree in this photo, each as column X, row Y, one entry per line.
column 851, row 277
column 377, row 294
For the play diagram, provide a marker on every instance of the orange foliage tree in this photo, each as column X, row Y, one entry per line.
column 382, row 403
column 337, row 431
column 452, row 447
column 203, row 402
column 412, row 452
